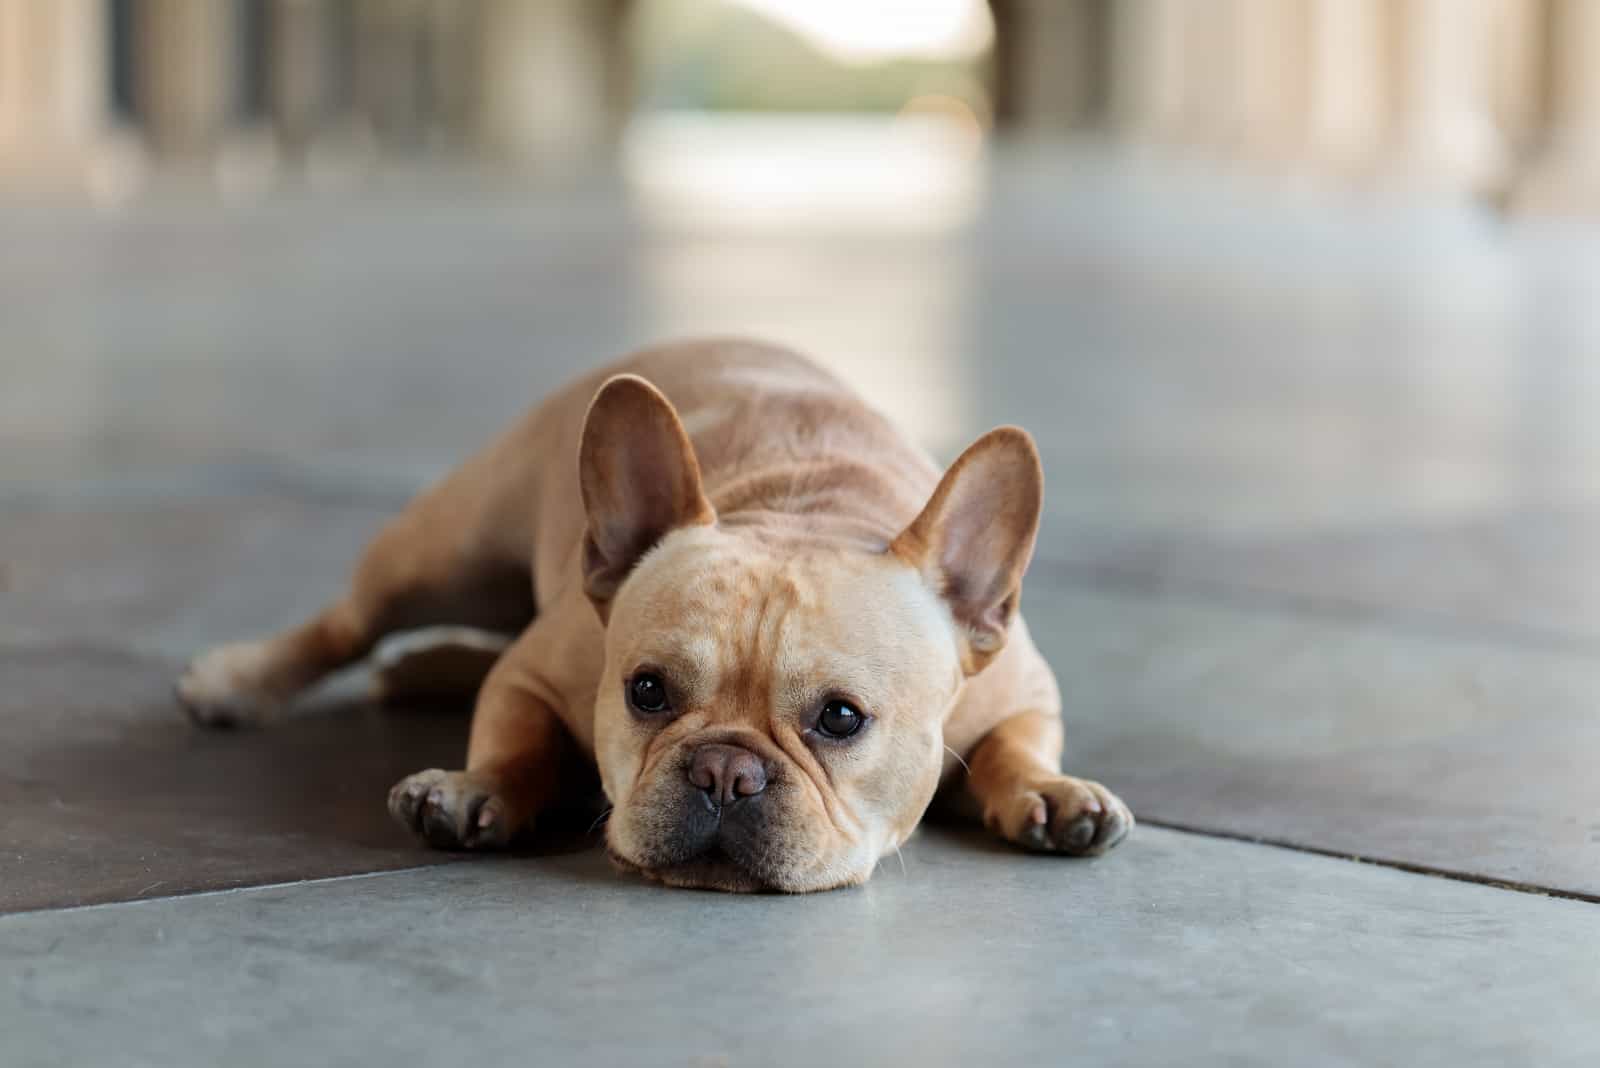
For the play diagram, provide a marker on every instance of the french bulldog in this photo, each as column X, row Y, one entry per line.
column 740, row 595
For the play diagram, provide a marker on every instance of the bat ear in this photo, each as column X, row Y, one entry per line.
column 974, row 538
column 639, row 479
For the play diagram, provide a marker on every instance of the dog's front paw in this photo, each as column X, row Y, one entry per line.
column 451, row 810
column 223, row 688
column 1060, row 815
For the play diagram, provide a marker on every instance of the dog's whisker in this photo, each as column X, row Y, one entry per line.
column 957, row 755
column 902, row 857
column 598, row 820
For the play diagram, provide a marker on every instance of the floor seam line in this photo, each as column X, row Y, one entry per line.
column 53, row 910
column 1413, row 868
column 1410, row 867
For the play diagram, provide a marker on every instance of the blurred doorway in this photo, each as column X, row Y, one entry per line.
column 827, row 154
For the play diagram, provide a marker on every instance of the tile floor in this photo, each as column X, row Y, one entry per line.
column 1318, row 571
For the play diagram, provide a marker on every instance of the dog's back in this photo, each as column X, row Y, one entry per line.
column 780, row 441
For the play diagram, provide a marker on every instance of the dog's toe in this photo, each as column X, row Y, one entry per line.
column 216, row 692
column 1078, row 834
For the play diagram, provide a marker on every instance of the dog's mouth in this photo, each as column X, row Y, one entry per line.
column 676, row 838
column 713, row 869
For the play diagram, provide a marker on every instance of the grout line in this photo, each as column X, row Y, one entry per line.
column 1154, row 586
column 249, row 888
column 1145, row 821
column 1380, row 862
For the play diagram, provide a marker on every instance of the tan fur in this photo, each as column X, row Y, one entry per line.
column 738, row 521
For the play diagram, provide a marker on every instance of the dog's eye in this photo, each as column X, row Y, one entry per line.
column 839, row 720
column 647, row 693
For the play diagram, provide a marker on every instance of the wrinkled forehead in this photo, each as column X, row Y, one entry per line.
column 709, row 604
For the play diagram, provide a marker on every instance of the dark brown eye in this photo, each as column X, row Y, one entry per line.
column 647, row 693
column 839, row 720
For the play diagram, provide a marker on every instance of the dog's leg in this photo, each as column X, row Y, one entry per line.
column 518, row 760
column 1016, row 780
column 436, row 664
column 425, row 567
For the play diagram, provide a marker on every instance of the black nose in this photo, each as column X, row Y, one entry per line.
column 727, row 773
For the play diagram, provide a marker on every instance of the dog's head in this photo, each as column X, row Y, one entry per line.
column 770, row 716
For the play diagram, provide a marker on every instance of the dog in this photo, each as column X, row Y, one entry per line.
column 743, row 598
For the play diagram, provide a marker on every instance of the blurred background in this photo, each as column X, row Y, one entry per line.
column 886, row 183
column 1498, row 97
column 1299, row 298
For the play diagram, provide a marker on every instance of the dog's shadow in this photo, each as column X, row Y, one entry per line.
column 111, row 792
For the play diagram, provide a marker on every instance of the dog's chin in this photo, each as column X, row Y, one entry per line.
column 711, row 870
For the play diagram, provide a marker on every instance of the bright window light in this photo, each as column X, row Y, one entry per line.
column 869, row 31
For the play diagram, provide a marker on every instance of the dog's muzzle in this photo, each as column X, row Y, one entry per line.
column 716, row 823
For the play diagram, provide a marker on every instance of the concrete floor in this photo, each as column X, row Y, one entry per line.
column 1182, row 948
column 1318, row 570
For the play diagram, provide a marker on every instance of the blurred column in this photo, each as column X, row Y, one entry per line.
column 451, row 74
column 1052, row 63
column 1150, row 64
column 1444, row 132
column 54, row 82
column 1516, row 71
column 299, row 56
column 1349, row 71
column 183, row 72
column 1248, row 91
column 388, row 53
column 547, row 79
column 1566, row 176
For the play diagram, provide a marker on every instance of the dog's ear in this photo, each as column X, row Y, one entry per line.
column 639, row 478
column 975, row 537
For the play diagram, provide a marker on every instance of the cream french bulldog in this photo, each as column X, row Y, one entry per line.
column 746, row 600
